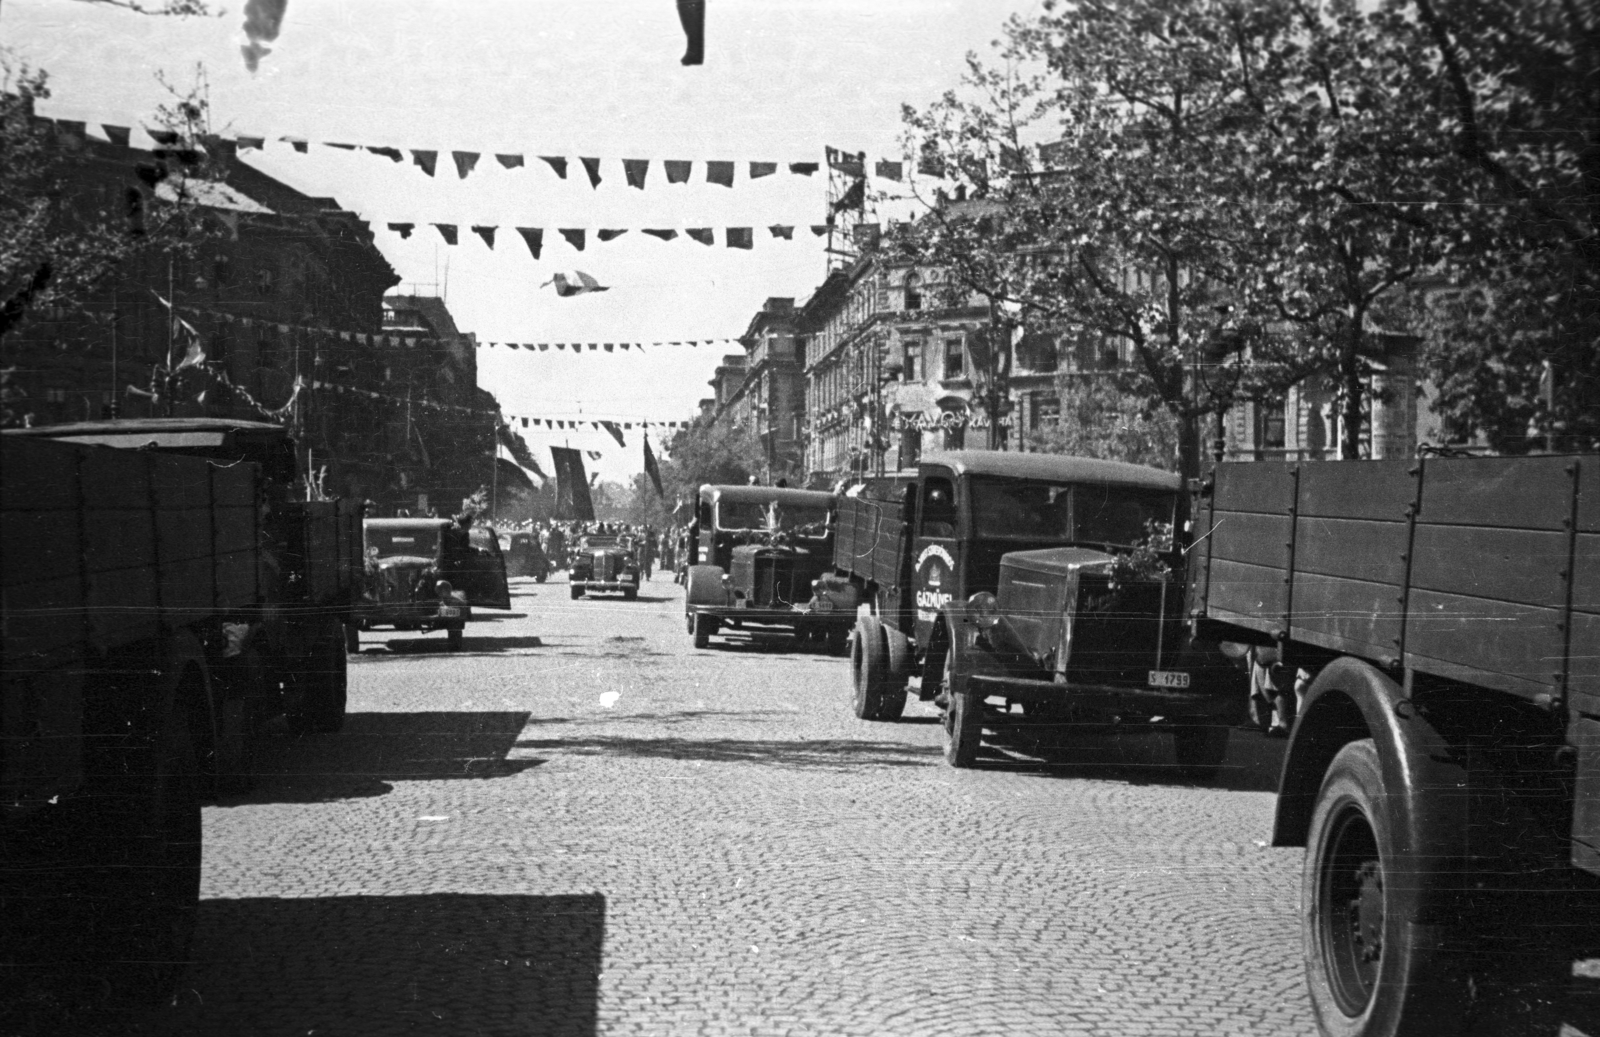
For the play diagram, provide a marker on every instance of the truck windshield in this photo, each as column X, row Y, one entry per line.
column 415, row 543
column 1008, row 509
column 767, row 516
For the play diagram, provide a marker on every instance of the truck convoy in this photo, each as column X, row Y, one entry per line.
column 166, row 599
column 1443, row 773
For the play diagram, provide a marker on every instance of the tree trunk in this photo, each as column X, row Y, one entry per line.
column 1350, row 422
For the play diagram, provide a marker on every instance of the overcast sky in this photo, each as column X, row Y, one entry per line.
column 782, row 80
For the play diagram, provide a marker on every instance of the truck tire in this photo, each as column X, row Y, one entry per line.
column 352, row 639
column 322, row 680
column 577, row 591
column 704, row 626
column 630, row 595
column 149, row 836
column 1200, row 749
column 869, row 670
column 962, row 722
column 1371, row 973
column 452, row 639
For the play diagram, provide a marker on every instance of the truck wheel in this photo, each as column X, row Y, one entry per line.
column 630, row 595
column 352, row 639
column 962, row 721
column 149, row 836
column 704, row 627
column 1371, row 973
column 577, row 591
column 322, row 680
column 1200, row 749
column 453, row 639
column 875, row 696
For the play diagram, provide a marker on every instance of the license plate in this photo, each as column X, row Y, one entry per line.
column 1168, row 679
column 449, row 611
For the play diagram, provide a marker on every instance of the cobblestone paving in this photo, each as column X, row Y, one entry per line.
column 582, row 825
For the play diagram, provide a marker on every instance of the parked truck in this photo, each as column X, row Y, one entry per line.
column 996, row 579
column 1443, row 773
column 160, row 612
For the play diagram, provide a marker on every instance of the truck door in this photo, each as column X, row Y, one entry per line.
column 484, row 575
column 934, row 567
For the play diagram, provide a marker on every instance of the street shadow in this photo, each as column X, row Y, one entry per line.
column 374, row 750
column 821, row 754
column 1135, row 757
column 470, row 645
column 438, row 964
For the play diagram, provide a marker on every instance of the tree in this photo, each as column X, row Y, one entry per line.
column 1098, row 420
column 1132, row 230
column 59, row 240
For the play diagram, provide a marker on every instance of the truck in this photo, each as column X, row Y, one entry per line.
column 1443, row 770
column 755, row 554
column 160, row 612
column 1001, row 581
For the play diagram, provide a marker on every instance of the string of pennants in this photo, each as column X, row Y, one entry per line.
column 510, row 420
column 400, row 340
column 578, row 237
column 635, row 171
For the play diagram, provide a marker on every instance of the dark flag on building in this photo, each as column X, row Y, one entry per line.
column 652, row 469
column 572, row 486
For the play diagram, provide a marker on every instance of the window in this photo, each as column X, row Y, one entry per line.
column 1046, row 411
column 938, row 509
column 1269, row 425
column 911, row 370
column 913, row 291
column 954, row 361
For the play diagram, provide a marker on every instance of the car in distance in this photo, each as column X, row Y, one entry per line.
column 605, row 563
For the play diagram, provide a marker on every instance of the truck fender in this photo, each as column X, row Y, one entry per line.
column 703, row 587
column 970, row 655
column 1428, row 791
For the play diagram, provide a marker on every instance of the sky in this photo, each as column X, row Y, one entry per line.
column 782, row 80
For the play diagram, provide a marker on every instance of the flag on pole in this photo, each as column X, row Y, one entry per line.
column 652, row 469
column 572, row 486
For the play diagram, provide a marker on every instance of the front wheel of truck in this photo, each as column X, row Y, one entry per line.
column 962, row 722
column 1372, row 972
column 1200, row 749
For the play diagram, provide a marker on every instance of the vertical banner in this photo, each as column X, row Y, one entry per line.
column 572, row 486
column 652, row 469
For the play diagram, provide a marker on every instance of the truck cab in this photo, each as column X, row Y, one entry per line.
column 756, row 553
column 1047, row 582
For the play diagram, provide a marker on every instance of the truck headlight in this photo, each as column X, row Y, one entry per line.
column 985, row 610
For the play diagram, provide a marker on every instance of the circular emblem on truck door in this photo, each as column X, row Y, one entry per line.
column 935, row 569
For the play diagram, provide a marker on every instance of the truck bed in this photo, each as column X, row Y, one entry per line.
column 101, row 548
column 870, row 540
column 1482, row 570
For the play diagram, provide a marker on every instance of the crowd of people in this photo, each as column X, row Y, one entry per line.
column 556, row 540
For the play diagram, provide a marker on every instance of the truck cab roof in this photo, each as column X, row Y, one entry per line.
column 1050, row 468
column 224, row 439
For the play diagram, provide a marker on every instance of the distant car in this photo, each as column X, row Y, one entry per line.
column 413, row 584
column 605, row 563
column 526, row 558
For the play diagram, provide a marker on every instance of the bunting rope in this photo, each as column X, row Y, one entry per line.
column 578, row 237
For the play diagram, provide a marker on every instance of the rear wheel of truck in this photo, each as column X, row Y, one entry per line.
column 322, row 680
column 148, row 836
column 1200, row 749
column 703, row 626
column 869, row 670
column 577, row 591
column 962, row 723
column 1370, row 971
column 630, row 595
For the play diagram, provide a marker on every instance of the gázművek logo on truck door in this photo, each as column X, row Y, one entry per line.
column 935, row 570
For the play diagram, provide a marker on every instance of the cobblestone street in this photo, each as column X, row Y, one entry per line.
column 580, row 824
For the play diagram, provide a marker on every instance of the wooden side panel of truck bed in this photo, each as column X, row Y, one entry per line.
column 1484, row 570
column 870, row 542
column 100, row 548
